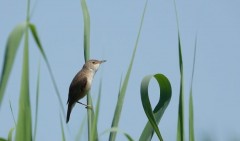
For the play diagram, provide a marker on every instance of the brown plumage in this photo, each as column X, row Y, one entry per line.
column 81, row 83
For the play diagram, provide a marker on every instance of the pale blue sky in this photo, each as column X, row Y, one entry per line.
column 114, row 28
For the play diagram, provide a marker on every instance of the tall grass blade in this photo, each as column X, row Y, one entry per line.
column 90, row 116
column 122, row 93
column 180, row 128
column 154, row 116
column 180, row 131
column 12, row 45
column 24, row 123
column 86, row 46
column 37, row 101
column 37, row 40
column 2, row 139
column 191, row 118
column 10, row 134
column 191, row 113
column 95, row 121
column 62, row 128
column 86, row 20
column 119, row 92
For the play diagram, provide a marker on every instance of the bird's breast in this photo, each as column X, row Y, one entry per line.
column 89, row 83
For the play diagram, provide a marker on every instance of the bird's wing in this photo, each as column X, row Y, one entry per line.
column 76, row 87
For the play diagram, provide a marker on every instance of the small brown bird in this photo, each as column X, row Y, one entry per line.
column 81, row 84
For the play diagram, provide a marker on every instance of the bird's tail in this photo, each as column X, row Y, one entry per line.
column 70, row 106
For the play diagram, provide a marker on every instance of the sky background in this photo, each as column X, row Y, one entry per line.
column 114, row 28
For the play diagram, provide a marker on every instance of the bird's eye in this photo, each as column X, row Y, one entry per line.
column 94, row 62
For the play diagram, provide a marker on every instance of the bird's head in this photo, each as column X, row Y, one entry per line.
column 93, row 64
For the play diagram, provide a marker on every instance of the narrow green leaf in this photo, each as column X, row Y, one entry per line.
column 180, row 131
column 95, row 121
column 37, row 40
column 115, row 129
column 12, row 45
column 180, row 128
column 191, row 119
column 62, row 128
column 10, row 134
column 24, row 112
column 37, row 101
column 90, row 116
column 191, row 113
column 154, row 116
column 86, row 38
column 86, row 45
column 123, row 90
column 120, row 86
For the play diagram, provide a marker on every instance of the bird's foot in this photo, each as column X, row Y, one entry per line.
column 86, row 106
column 89, row 107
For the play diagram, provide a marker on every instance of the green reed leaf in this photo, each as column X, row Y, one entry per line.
column 191, row 113
column 86, row 46
column 180, row 127
column 39, row 45
column 24, row 122
column 123, row 90
column 154, row 116
column 86, row 37
column 180, row 131
column 95, row 120
column 12, row 45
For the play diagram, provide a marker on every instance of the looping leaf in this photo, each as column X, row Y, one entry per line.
column 154, row 116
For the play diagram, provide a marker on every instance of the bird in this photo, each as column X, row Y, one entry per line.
column 81, row 84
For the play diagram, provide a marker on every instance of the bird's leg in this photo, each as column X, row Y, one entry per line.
column 87, row 106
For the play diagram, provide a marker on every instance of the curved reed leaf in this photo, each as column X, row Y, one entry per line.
column 37, row 40
column 12, row 45
column 123, row 90
column 24, row 123
column 154, row 116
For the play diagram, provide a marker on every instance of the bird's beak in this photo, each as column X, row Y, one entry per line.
column 103, row 61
